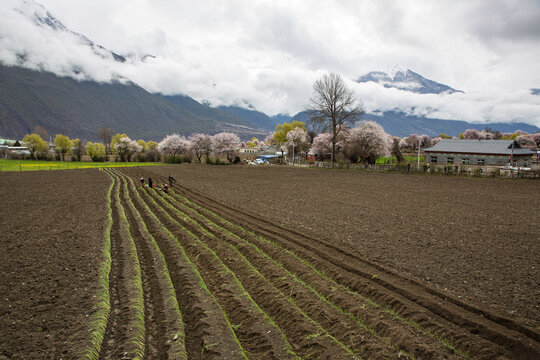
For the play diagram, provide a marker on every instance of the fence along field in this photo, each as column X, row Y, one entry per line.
column 193, row 278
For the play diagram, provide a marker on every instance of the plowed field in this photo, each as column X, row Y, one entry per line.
column 187, row 274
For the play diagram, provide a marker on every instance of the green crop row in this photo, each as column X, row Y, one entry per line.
column 100, row 317
column 175, row 327
column 195, row 272
column 135, row 343
column 240, row 291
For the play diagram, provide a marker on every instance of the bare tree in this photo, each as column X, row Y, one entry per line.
column 40, row 130
column 396, row 151
column 333, row 107
column 106, row 134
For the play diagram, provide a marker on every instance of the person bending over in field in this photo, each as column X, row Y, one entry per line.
column 171, row 180
column 165, row 188
column 142, row 182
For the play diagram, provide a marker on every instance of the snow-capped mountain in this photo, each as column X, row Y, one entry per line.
column 405, row 79
column 43, row 18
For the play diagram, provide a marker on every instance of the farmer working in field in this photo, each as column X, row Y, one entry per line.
column 142, row 182
column 171, row 180
column 150, row 183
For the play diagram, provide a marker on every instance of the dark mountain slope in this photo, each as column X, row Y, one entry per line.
column 78, row 109
column 205, row 111
column 257, row 118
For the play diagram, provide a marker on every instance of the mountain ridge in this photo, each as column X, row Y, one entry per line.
column 79, row 108
column 407, row 80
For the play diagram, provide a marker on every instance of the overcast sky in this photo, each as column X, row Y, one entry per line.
column 269, row 53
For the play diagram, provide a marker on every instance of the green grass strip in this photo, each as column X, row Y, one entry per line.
column 100, row 317
column 136, row 339
column 37, row 165
column 195, row 270
column 178, row 347
column 441, row 339
column 252, row 268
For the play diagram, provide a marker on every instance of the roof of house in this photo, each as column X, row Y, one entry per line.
column 502, row 147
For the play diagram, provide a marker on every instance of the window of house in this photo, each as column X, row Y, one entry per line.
column 433, row 160
column 450, row 160
column 465, row 161
column 481, row 161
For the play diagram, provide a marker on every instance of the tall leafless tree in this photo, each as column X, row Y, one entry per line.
column 40, row 130
column 106, row 134
column 333, row 107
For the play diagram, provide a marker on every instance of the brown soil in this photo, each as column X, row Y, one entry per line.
column 271, row 263
column 456, row 272
column 478, row 239
column 51, row 223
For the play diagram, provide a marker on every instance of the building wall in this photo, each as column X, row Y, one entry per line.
column 475, row 159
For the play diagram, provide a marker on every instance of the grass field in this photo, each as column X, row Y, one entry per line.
column 34, row 165
column 392, row 159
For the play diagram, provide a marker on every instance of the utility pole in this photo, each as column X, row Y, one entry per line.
column 418, row 166
column 512, row 156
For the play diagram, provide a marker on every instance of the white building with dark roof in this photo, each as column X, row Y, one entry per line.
column 478, row 152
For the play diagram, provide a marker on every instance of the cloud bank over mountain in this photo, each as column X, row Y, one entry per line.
column 268, row 54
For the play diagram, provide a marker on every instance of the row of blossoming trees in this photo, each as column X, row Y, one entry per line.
column 368, row 141
column 171, row 148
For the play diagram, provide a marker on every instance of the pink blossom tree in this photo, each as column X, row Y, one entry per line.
column 322, row 144
column 200, row 144
column 526, row 140
column 226, row 143
column 426, row 141
column 269, row 140
column 125, row 147
column 174, row 145
column 297, row 138
column 411, row 142
column 367, row 142
column 435, row 140
column 536, row 139
column 473, row 134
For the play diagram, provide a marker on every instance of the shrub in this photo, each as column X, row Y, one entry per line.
column 215, row 161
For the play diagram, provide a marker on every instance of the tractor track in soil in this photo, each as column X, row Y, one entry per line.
column 475, row 331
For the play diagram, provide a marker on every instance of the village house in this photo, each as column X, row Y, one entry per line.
column 479, row 152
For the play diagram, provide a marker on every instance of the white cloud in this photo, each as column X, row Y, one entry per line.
column 269, row 53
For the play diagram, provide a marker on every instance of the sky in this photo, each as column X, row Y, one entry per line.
column 269, row 53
